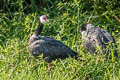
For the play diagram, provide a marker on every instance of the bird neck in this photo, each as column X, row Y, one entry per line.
column 39, row 29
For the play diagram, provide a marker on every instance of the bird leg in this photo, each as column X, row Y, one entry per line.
column 49, row 67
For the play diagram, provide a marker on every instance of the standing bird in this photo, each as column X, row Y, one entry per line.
column 48, row 46
column 97, row 40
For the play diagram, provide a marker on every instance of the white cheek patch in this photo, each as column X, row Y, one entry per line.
column 83, row 32
column 42, row 21
column 84, row 35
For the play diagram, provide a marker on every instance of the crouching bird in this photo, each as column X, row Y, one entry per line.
column 50, row 48
column 98, row 41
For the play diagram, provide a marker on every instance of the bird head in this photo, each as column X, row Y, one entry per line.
column 85, row 27
column 43, row 19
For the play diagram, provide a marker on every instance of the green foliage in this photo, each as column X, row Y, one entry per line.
column 18, row 21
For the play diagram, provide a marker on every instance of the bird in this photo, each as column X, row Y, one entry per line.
column 97, row 40
column 50, row 48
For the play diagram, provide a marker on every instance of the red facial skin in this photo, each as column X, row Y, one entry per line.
column 45, row 18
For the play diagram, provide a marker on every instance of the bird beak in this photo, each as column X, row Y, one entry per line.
column 47, row 20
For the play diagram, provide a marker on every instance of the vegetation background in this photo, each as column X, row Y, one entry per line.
column 18, row 20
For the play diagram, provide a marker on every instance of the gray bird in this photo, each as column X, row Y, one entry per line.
column 97, row 40
column 50, row 48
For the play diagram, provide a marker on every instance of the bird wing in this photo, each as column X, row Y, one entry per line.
column 106, row 36
column 99, row 35
column 107, row 40
column 58, row 47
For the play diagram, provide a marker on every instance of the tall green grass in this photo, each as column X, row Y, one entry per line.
column 16, row 27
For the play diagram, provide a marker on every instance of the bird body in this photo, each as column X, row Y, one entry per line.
column 97, row 38
column 50, row 48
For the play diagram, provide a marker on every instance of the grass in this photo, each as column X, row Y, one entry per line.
column 16, row 62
